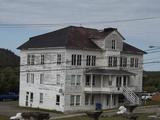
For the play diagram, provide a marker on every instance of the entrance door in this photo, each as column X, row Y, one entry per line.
column 27, row 98
column 118, row 81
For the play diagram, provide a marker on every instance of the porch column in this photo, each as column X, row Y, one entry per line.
column 101, row 81
column 111, row 101
column 127, row 81
column 110, row 79
column 122, row 80
column 91, row 84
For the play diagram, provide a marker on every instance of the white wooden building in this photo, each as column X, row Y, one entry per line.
column 75, row 68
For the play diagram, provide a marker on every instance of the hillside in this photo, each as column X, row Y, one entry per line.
column 8, row 58
column 9, row 71
column 151, row 81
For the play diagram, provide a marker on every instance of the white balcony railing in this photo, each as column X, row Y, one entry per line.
column 106, row 89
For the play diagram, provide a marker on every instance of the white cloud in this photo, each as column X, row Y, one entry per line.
column 140, row 33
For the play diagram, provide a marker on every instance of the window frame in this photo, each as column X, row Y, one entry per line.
column 58, row 79
column 57, row 99
column 41, row 98
column 42, row 59
column 30, row 59
column 113, row 44
column 59, row 59
column 41, row 78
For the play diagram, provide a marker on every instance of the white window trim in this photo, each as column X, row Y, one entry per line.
column 59, row 59
column 75, row 100
column 41, row 78
column 58, row 102
column 75, row 81
column 41, row 98
column 58, row 79
column 30, row 78
column 113, row 45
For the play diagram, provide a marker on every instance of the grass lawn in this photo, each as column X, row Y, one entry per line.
column 151, row 102
column 141, row 117
column 3, row 117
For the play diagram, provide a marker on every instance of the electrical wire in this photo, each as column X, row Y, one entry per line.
column 12, row 25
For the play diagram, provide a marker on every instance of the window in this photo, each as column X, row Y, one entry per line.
column 58, row 79
column 59, row 59
column 30, row 59
column 72, row 100
column 113, row 44
column 112, row 61
column 88, row 60
column 118, row 81
column 132, row 62
column 136, row 62
column 124, row 80
column 27, row 95
column 73, row 59
column 30, row 78
column 41, row 78
column 76, row 59
column 41, row 98
column 123, row 62
column 114, row 99
column 107, row 100
column 93, row 81
column 42, row 59
column 78, row 80
column 88, row 80
column 79, row 59
column 110, row 82
column 86, row 99
column 73, row 80
column 75, row 100
column 91, row 60
column 92, row 99
column 31, row 97
column 57, row 99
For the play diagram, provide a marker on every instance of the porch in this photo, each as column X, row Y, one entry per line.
column 107, row 101
column 107, row 81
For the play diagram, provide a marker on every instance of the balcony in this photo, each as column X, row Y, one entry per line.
column 110, row 89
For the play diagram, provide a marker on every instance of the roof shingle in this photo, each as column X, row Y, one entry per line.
column 73, row 37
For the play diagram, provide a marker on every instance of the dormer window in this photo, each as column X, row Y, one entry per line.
column 113, row 45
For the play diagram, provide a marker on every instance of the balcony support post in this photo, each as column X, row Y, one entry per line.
column 91, row 84
column 110, row 80
column 101, row 81
column 122, row 81
column 111, row 103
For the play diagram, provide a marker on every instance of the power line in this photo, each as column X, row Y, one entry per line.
column 88, row 67
column 69, row 61
column 12, row 25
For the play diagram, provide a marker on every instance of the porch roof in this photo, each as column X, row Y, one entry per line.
column 108, row 72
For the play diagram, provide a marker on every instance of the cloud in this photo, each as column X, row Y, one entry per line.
column 62, row 11
column 139, row 33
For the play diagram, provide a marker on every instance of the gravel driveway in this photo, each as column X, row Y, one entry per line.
column 11, row 108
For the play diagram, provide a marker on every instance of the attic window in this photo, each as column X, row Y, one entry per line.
column 113, row 45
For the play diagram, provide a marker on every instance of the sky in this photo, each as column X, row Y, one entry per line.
column 87, row 13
